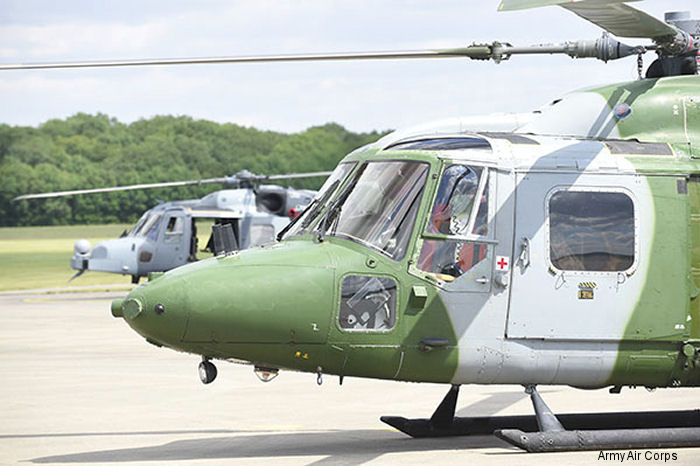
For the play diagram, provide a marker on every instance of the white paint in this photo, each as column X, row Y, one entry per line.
column 580, row 114
column 583, row 350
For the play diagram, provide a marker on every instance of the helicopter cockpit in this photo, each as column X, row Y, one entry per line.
column 377, row 206
column 376, row 202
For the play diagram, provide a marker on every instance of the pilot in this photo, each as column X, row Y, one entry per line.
column 450, row 216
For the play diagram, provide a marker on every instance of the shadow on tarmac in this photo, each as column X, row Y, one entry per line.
column 121, row 434
column 356, row 446
column 338, row 446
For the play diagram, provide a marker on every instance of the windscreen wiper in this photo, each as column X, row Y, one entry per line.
column 312, row 208
column 335, row 208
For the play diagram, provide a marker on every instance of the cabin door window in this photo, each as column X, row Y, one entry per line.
column 591, row 231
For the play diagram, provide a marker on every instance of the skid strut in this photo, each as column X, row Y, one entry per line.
column 545, row 432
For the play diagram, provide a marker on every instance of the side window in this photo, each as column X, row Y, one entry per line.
column 591, row 231
column 367, row 303
column 458, row 221
column 174, row 226
column 452, row 209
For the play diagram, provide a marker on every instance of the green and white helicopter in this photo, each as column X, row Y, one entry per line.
column 564, row 251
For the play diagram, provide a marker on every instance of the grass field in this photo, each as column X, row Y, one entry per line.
column 39, row 257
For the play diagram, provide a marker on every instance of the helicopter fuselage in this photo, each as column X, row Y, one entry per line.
column 165, row 236
column 469, row 257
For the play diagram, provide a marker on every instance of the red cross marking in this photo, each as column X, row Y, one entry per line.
column 502, row 263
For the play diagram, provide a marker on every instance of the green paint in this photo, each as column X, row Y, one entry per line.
column 278, row 306
column 651, row 352
column 694, row 250
column 660, row 110
column 664, row 301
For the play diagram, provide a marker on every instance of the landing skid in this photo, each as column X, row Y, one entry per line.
column 545, row 432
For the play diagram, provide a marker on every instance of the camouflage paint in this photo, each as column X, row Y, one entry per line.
column 666, row 316
column 278, row 306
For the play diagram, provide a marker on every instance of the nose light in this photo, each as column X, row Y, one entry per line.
column 159, row 309
column 132, row 308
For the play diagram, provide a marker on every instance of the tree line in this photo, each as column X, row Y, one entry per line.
column 95, row 151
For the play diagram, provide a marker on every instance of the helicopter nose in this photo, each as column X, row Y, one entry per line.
column 117, row 309
column 154, row 311
column 128, row 308
column 262, row 296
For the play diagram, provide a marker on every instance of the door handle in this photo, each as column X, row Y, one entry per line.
column 482, row 280
column 430, row 343
column 524, row 258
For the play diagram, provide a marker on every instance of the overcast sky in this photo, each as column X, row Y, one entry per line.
column 362, row 96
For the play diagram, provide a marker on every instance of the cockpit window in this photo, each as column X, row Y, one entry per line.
column 454, row 204
column 301, row 223
column 379, row 206
column 152, row 231
column 456, row 233
column 134, row 231
column 147, row 226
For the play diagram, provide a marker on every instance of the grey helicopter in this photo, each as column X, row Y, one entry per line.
column 165, row 237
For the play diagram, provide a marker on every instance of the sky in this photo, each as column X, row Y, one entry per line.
column 362, row 96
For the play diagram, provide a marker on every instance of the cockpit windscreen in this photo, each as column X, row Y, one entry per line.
column 379, row 206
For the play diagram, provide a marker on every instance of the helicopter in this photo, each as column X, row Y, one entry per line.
column 165, row 236
column 564, row 252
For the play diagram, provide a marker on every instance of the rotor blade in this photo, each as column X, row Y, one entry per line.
column 226, row 180
column 612, row 15
column 296, row 175
column 247, row 59
column 622, row 20
column 510, row 5
column 496, row 51
column 121, row 188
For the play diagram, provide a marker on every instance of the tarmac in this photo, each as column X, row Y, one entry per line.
column 78, row 386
